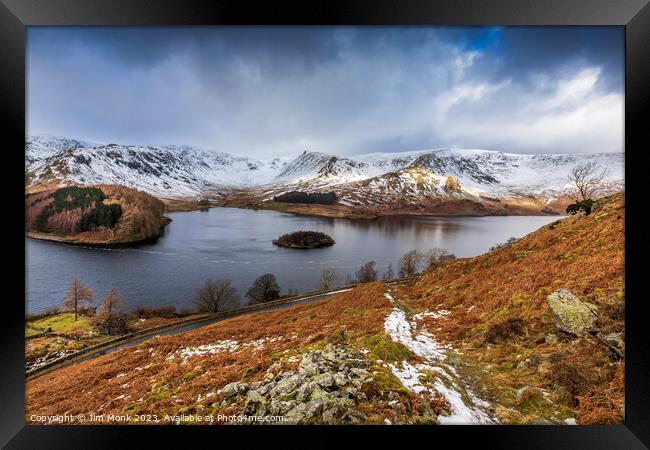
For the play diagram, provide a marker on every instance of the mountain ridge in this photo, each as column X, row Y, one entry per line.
column 187, row 172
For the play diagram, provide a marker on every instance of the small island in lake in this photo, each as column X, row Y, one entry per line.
column 304, row 239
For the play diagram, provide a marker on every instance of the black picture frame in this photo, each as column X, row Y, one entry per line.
column 634, row 15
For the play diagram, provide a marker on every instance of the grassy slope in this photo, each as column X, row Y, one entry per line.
column 68, row 336
column 65, row 335
column 584, row 254
column 59, row 323
column 161, row 386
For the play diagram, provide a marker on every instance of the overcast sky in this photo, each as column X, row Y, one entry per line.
column 274, row 91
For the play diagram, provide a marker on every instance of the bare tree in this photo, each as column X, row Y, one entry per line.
column 264, row 289
column 216, row 295
column 367, row 272
column 329, row 278
column 409, row 263
column 109, row 315
column 112, row 303
column 587, row 179
column 390, row 272
column 436, row 256
column 77, row 298
column 292, row 292
column 349, row 280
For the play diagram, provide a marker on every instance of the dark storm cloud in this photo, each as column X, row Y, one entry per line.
column 276, row 90
column 532, row 49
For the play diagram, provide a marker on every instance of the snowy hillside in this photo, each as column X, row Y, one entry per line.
column 165, row 171
column 185, row 171
column 37, row 148
column 480, row 172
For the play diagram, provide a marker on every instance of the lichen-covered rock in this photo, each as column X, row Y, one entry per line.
column 281, row 407
column 309, row 365
column 286, row 385
column 325, row 380
column 233, row 389
column 507, row 415
column 572, row 315
column 551, row 338
column 316, row 393
column 255, row 403
column 616, row 340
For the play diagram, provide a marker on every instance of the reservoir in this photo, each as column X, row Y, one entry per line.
column 236, row 244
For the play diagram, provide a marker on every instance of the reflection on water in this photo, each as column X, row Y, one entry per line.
column 236, row 244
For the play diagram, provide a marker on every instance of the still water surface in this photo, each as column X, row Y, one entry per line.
column 236, row 244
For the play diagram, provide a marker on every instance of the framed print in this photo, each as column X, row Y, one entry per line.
column 370, row 218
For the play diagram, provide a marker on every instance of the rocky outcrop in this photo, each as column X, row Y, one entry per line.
column 614, row 341
column 572, row 315
column 326, row 388
column 580, row 318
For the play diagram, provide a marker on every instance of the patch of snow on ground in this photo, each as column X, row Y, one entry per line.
column 425, row 346
column 226, row 345
column 435, row 315
column 400, row 330
column 209, row 349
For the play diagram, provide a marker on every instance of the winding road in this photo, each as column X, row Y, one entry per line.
column 174, row 328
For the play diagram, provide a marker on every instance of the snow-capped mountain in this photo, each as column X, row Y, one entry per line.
column 37, row 148
column 480, row 172
column 166, row 171
column 360, row 180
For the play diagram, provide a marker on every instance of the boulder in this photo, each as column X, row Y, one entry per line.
column 255, row 403
column 309, row 365
column 296, row 414
column 325, row 380
column 329, row 415
column 572, row 315
column 507, row 415
column 286, row 385
column 304, row 391
column 233, row 389
column 281, row 407
column 551, row 338
column 616, row 340
column 340, row 379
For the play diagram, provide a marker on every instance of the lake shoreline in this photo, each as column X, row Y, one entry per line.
column 89, row 242
column 236, row 244
column 351, row 214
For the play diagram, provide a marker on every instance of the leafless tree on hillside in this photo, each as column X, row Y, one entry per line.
column 329, row 278
column 410, row 262
column 367, row 272
column 109, row 314
column 390, row 272
column 216, row 296
column 112, row 303
column 264, row 289
column 587, row 180
column 77, row 298
column 436, row 256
